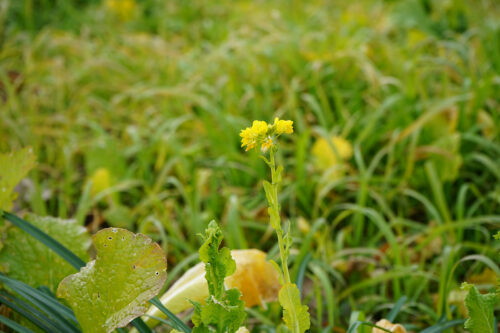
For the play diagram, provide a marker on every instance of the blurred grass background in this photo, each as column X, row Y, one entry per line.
column 391, row 179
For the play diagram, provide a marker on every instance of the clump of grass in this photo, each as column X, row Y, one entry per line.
column 158, row 100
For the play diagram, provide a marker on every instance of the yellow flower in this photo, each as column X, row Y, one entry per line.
column 266, row 144
column 259, row 127
column 251, row 135
column 248, row 138
column 283, row 126
column 264, row 134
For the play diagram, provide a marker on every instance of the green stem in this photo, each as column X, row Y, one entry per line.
column 274, row 205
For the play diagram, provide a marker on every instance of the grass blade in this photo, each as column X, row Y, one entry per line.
column 299, row 281
column 354, row 327
column 141, row 326
column 28, row 312
column 443, row 326
column 15, row 326
column 395, row 309
column 52, row 307
column 176, row 322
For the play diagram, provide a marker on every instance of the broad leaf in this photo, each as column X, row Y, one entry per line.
column 13, row 168
column 480, row 308
column 26, row 259
column 293, row 310
column 114, row 288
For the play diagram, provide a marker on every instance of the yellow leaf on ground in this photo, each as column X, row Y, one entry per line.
column 255, row 277
column 384, row 323
column 331, row 155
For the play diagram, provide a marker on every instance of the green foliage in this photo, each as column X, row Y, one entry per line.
column 295, row 315
column 224, row 311
column 170, row 90
column 26, row 259
column 14, row 166
column 114, row 288
column 480, row 309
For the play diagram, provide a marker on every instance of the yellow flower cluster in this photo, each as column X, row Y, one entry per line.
column 264, row 134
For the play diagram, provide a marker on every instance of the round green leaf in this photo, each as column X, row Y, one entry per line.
column 114, row 288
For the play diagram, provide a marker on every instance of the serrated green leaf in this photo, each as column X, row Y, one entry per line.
column 114, row 288
column 26, row 259
column 218, row 263
column 295, row 315
column 14, row 166
column 224, row 311
column 227, row 315
column 480, row 308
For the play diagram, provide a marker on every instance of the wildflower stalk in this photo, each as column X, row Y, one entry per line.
column 295, row 315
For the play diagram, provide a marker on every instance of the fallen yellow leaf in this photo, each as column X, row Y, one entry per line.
column 331, row 155
column 384, row 323
column 255, row 277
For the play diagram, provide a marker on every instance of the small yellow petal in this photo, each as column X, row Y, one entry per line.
column 283, row 126
column 259, row 127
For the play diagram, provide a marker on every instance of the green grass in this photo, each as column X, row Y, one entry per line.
column 159, row 101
